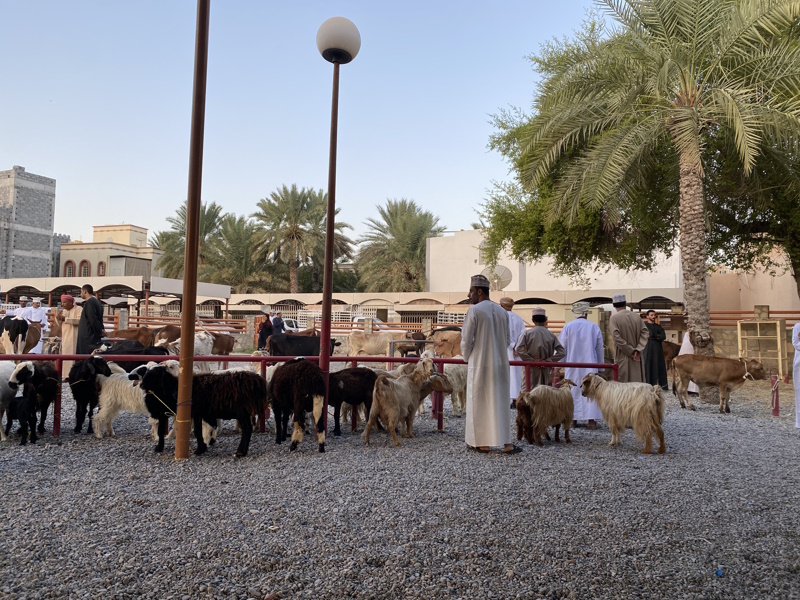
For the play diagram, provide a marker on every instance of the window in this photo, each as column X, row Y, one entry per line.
column 69, row 269
column 85, row 270
column 101, row 269
column 481, row 260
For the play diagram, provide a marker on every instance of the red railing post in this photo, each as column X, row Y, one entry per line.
column 262, row 418
column 57, row 402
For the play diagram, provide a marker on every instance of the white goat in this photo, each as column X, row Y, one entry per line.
column 457, row 375
column 203, row 344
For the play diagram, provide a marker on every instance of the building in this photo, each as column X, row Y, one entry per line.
column 115, row 250
column 27, row 213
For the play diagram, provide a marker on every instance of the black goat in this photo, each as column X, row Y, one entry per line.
column 86, row 389
column 41, row 385
column 297, row 386
column 354, row 386
column 227, row 395
column 23, row 409
column 133, row 347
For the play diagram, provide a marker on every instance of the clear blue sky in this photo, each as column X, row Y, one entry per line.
column 97, row 95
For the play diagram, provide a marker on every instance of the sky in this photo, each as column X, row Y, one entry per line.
column 97, row 95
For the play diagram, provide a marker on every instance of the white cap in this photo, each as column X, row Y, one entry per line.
column 618, row 298
column 23, row 299
column 39, row 300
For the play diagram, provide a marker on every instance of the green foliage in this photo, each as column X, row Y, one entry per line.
column 392, row 255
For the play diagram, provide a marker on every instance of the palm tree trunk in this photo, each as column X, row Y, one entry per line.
column 294, row 286
column 693, row 262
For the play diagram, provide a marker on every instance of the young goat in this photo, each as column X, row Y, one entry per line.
column 354, row 386
column 396, row 400
column 41, row 386
column 544, row 407
column 636, row 405
column 297, row 387
column 85, row 387
column 457, row 375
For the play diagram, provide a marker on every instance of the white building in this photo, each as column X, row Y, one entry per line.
column 115, row 250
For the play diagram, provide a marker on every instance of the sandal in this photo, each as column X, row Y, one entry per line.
column 514, row 450
column 477, row 449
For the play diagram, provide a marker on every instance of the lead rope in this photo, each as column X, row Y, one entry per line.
column 746, row 373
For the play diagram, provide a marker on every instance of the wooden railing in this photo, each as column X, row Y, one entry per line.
column 208, row 323
column 729, row 318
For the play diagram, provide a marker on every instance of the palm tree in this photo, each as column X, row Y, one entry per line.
column 230, row 259
column 292, row 228
column 392, row 254
column 173, row 241
column 673, row 74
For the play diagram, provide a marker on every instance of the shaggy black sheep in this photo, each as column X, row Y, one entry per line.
column 133, row 347
column 354, row 386
column 86, row 389
column 41, row 385
column 236, row 395
column 297, row 386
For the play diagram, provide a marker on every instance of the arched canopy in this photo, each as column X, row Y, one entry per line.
column 534, row 301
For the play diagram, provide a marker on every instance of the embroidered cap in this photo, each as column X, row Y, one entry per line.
column 538, row 312
column 479, row 281
column 618, row 298
column 580, row 308
column 24, row 299
column 37, row 300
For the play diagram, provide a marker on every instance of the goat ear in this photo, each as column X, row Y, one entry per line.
column 90, row 367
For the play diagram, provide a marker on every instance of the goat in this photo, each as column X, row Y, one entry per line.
column 457, row 375
column 85, row 389
column 41, row 384
column 636, row 405
column 396, row 400
column 117, row 393
column 297, row 387
column 6, row 393
column 542, row 407
column 354, row 386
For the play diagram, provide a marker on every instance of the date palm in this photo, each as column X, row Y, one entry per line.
column 672, row 74
column 392, row 254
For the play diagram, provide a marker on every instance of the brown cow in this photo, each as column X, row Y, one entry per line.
column 671, row 350
column 223, row 343
column 143, row 335
column 447, row 342
column 726, row 373
column 166, row 335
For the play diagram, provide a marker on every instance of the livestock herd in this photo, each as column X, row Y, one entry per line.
column 390, row 400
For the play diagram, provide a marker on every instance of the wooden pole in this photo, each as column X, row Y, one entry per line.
column 189, row 297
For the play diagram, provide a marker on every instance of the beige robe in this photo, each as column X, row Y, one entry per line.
column 629, row 334
column 69, row 336
column 539, row 344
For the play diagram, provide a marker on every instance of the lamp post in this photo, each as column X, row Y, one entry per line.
column 338, row 41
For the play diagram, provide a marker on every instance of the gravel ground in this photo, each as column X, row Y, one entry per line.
column 715, row 517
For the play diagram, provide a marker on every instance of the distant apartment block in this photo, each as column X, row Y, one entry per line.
column 115, row 250
column 27, row 212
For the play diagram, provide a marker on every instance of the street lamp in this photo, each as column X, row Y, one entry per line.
column 338, row 41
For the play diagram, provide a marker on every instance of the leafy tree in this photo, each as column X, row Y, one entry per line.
column 292, row 228
column 392, row 255
column 231, row 260
column 674, row 75
column 173, row 241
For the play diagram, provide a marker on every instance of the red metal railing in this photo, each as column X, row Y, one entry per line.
column 437, row 398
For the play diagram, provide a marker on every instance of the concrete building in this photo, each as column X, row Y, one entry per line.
column 27, row 212
column 115, row 250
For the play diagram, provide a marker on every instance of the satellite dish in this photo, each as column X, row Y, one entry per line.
column 499, row 276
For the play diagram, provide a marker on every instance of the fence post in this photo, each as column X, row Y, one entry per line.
column 122, row 319
column 262, row 418
column 250, row 327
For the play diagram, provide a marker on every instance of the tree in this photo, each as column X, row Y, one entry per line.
column 292, row 228
column 173, row 241
column 672, row 76
column 231, row 260
column 392, row 255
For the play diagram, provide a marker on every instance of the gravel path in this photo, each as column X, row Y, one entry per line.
column 715, row 517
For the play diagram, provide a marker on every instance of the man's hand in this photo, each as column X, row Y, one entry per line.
column 637, row 356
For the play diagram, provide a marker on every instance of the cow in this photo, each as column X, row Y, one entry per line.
column 284, row 344
column 223, row 344
column 13, row 332
column 33, row 337
column 415, row 347
column 373, row 344
column 447, row 341
column 725, row 373
column 166, row 335
column 143, row 335
column 132, row 347
column 671, row 350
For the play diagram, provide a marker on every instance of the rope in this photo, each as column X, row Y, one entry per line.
column 746, row 373
column 170, row 412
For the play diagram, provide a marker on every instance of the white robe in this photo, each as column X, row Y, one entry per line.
column 484, row 340
column 516, row 328
column 583, row 342
column 687, row 348
column 796, row 373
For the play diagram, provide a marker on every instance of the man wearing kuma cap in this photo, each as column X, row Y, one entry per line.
column 630, row 336
column 516, row 328
column 583, row 343
column 539, row 344
column 484, row 340
column 38, row 315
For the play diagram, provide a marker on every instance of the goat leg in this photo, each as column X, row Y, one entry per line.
column 247, row 431
column 198, row 434
column 558, row 425
column 163, row 423
column 566, row 424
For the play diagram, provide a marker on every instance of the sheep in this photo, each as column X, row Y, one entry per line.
column 396, row 400
column 457, row 375
column 636, row 405
column 42, row 384
column 353, row 386
column 6, row 393
column 542, row 407
column 298, row 386
column 117, row 393
column 82, row 380
column 23, row 409
column 228, row 395
column 135, row 377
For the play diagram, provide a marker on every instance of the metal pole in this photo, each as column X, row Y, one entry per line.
column 189, row 298
column 327, row 277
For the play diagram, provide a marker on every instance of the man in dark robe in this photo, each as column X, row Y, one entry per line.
column 265, row 331
column 90, row 327
column 655, row 369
